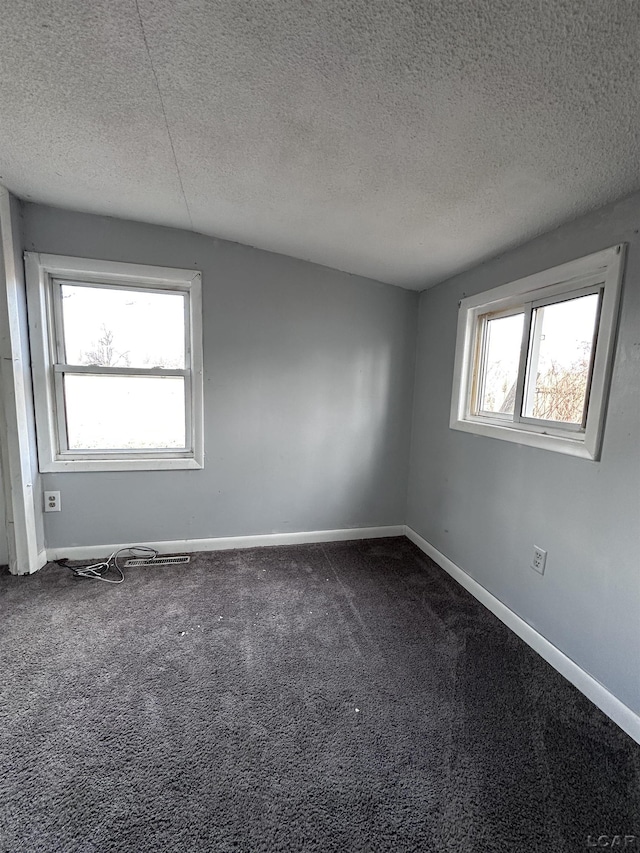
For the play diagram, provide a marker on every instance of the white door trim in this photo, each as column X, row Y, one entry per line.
column 16, row 403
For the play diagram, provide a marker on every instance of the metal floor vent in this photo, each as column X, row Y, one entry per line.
column 156, row 561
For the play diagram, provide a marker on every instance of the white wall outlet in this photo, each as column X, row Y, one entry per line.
column 52, row 501
column 539, row 560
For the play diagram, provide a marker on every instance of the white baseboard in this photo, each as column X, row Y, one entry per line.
column 174, row 546
column 616, row 710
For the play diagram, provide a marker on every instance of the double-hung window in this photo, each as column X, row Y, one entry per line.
column 117, row 364
column 533, row 358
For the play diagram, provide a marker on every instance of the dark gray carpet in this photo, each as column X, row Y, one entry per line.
column 342, row 697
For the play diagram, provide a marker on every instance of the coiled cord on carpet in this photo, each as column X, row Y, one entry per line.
column 97, row 571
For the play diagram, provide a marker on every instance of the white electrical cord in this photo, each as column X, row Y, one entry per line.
column 97, row 571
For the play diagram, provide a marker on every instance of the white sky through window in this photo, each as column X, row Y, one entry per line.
column 124, row 328
column 147, row 328
column 558, row 370
column 132, row 412
column 504, row 340
column 567, row 331
column 566, row 337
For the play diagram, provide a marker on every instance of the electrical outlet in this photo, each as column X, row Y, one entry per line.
column 539, row 560
column 52, row 501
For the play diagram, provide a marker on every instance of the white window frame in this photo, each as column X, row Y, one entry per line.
column 601, row 273
column 44, row 274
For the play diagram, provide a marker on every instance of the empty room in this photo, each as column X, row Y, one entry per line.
column 319, row 426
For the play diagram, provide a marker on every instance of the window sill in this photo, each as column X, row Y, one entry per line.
column 149, row 464
column 571, row 444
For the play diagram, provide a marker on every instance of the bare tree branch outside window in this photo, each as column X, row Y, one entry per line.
column 104, row 354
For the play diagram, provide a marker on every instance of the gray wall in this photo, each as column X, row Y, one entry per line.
column 484, row 503
column 308, row 391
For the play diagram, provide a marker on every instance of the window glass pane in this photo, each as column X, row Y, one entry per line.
column 500, row 360
column 562, row 338
column 123, row 328
column 133, row 412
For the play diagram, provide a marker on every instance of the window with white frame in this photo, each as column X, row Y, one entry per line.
column 117, row 364
column 533, row 357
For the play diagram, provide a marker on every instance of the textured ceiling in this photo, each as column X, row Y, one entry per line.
column 400, row 139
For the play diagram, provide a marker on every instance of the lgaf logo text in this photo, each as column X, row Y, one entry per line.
column 616, row 842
